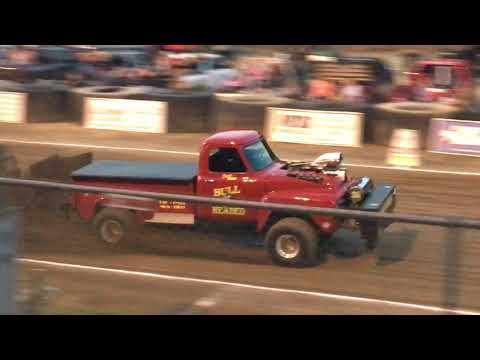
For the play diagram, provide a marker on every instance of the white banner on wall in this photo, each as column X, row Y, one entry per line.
column 13, row 107
column 314, row 127
column 125, row 115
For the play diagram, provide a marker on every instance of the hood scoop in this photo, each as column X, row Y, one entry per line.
column 329, row 160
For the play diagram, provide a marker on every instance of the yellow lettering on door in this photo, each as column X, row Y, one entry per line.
column 229, row 177
column 222, row 210
column 226, row 191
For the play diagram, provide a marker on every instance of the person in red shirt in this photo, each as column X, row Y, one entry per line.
column 332, row 90
column 321, row 89
column 23, row 56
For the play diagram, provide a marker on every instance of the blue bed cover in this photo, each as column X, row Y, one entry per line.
column 137, row 170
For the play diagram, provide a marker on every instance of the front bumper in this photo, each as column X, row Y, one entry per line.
column 381, row 199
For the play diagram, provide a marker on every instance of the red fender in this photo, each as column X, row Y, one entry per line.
column 324, row 224
column 86, row 205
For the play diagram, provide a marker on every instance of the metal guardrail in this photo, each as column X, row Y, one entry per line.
column 454, row 225
column 294, row 209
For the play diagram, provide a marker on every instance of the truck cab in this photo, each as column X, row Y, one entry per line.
column 241, row 165
column 238, row 165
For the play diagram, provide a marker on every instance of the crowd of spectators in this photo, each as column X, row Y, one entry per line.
column 260, row 75
column 18, row 55
column 285, row 75
column 292, row 76
column 337, row 90
column 279, row 75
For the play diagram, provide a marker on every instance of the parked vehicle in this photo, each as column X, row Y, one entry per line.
column 470, row 54
column 438, row 80
column 237, row 165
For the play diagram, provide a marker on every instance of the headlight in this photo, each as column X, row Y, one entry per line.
column 356, row 195
column 360, row 190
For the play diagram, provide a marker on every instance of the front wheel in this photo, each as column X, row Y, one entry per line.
column 292, row 242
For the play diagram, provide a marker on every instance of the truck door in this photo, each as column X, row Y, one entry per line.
column 227, row 176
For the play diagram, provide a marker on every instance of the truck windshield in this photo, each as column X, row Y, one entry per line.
column 259, row 155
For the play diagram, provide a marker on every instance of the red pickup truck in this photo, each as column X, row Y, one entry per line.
column 237, row 165
column 439, row 79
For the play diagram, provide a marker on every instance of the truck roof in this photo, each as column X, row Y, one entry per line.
column 233, row 137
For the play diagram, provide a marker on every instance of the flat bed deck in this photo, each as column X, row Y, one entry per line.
column 137, row 171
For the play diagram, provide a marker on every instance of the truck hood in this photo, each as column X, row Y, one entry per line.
column 330, row 188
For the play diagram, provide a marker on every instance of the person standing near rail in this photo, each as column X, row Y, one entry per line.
column 301, row 67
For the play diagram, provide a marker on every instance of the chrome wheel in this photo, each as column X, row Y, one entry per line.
column 112, row 231
column 287, row 246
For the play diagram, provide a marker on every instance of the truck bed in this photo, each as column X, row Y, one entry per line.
column 137, row 171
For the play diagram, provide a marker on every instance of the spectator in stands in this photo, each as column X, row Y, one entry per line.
column 314, row 89
column 333, row 89
column 300, row 64
column 361, row 97
column 420, row 90
column 290, row 85
column 261, row 76
column 4, row 56
column 363, row 92
column 151, row 52
column 417, row 90
column 277, row 78
column 253, row 75
column 23, row 56
column 350, row 92
column 162, row 63
column 358, row 93
column 340, row 84
column 321, row 89
column 336, row 90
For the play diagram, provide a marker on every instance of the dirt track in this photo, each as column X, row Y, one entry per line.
column 411, row 264
column 131, row 294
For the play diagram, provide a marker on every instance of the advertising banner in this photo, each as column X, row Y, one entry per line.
column 459, row 137
column 125, row 115
column 336, row 128
column 13, row 107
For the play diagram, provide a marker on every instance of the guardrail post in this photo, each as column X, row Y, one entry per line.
column 453, row 250
column 8, row 237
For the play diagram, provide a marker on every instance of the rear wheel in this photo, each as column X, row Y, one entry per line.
column 115, row 227
column 292, row 242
